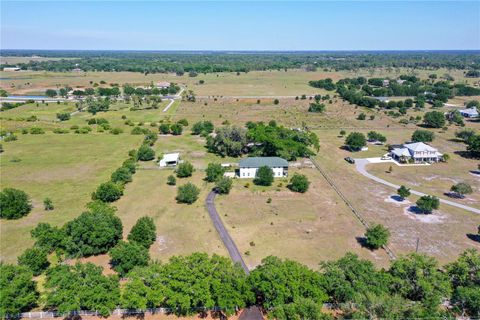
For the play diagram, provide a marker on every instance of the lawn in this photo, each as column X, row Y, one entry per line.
column 308, row 228
column 181, row 228
column 66, row 168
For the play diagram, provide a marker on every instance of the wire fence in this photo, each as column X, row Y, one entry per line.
column 357, row 214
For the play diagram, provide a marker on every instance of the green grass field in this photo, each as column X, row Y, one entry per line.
column 65, row 168
column 310, row 227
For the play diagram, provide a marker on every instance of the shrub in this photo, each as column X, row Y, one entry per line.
column 130, row 165
column 202, row 128
column 145, row 153
column 108, row 192
column 377, row 236
column 183, row 122
column 434, row 119
column 428, row 203
column 184, row 170
column 36, row 130
column 122, row 175
column 276, row 101
column 143, row 232
column 465, row 134
column 176, row 129
column 171, row 180
column 63, row 116
column 164, row 128
column 138, row 131
column 299, row 183
column 125, row 256
column 461, row 189
column 214, row 171
column 35, row 259
column 264, row 176
column 223, row 185
column 423, row 136
column 362, row 116
column 14, row 203
column 116, row 131
column 48, row 204
column 355, row 141
column 188, row 193
column 375, row 136
column 316, row 107
column 403, row 192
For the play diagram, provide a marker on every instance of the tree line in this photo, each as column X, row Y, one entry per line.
column 210, row 62
column 414, row 286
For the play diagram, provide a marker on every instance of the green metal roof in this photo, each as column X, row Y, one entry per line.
column 256, row 162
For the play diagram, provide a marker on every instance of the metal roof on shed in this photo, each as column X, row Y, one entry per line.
column 257, row 162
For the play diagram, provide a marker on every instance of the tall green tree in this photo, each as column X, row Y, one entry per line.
column 18, row 291
column 277, row 282
column 144, row 232
column 355, row 141
column 35, row 259
column 94, row 231
column 127, row 255
column 14, row 203
column 81, row 287
column 213, row 172
column 377, row 236
column 264, row 176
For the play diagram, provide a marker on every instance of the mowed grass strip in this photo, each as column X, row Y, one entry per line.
column 65, row 168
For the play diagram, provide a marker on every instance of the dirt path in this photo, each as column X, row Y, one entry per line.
column 222, row 231
column 360, row 166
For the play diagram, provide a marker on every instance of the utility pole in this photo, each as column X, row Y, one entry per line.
column 418, row 241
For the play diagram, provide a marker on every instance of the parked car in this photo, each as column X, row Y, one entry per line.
column 350, row 160
column 386, row 157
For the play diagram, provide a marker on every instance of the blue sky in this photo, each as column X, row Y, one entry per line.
column 230, row 25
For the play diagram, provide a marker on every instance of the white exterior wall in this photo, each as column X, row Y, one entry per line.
column 252, row 172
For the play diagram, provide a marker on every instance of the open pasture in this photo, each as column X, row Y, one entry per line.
column 443, row 234
column 65, row 168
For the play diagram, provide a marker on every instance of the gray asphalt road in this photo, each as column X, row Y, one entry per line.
column 360, row 166
column 222, row 231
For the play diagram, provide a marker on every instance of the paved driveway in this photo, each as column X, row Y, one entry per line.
column 360, row 166
column 222, row 231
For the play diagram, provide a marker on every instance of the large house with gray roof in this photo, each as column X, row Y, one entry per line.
column 417, row 152
column 249, row 166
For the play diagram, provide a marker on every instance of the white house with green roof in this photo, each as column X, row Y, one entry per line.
column 417, row 152
column 249, row 166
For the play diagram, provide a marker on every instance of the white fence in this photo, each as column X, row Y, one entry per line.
column 86, row 313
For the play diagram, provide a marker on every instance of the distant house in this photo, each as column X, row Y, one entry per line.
column 163, row 84
column 400, row 81
column 386, row 83
column 417, row 152
column 10, row 69
column 249, row 166
column 77, row 70
column 469, row 113
column 170, row 160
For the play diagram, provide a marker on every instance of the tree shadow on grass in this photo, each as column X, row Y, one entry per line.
column 474, row 237
column 467, row 155
column 362, row 241
column 416, row 210
column 396, row 198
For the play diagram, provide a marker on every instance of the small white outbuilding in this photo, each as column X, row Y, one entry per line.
column 170, row 160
